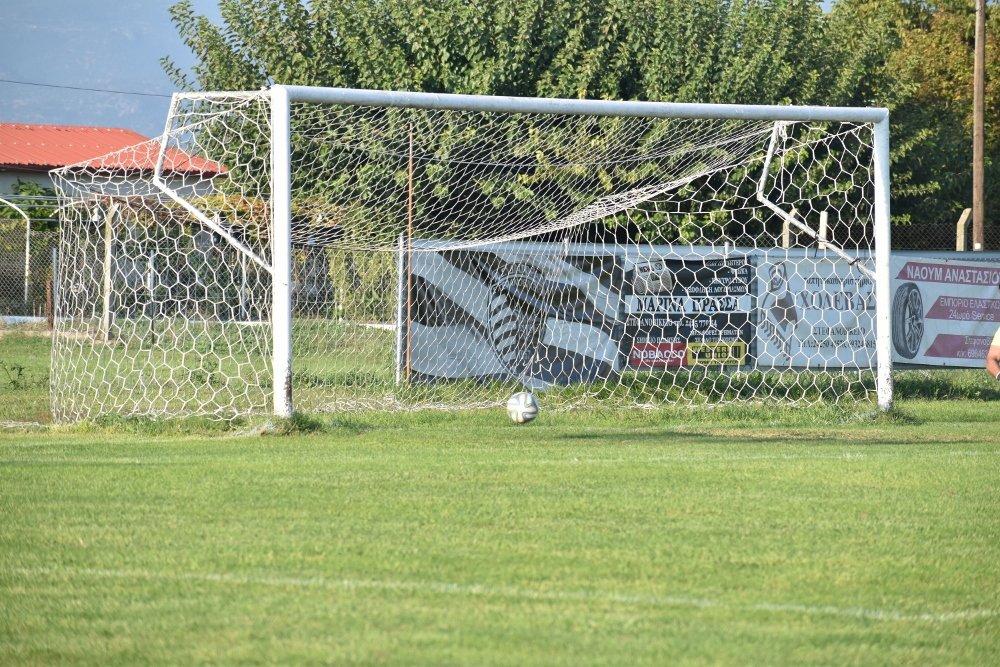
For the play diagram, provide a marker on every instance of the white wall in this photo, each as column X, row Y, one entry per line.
column 8, row 179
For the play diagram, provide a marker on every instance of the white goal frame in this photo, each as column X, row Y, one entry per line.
column 545, row 263
column 282, row 97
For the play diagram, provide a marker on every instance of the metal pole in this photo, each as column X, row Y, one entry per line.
column 281, row 251
column 27, row 244
column 409, row 257
column 27, row 260
column 244, row 311
column 883, row 280
column 580, row 107
column 107, row 283
column 401, row 296
column 150, row 309
column 55, row 286
column 978, row 133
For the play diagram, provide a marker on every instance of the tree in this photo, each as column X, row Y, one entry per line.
column 727, row 51
column 759, row 51
column 921, row 69
column 934, row 64
column 36, row 201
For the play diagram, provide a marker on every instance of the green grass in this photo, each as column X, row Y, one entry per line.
column 437, row 538
column 24, row 377
column 734, row 535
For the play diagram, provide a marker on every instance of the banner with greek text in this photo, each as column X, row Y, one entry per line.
column 816, row 310
column 944, row 312
column 553, row 313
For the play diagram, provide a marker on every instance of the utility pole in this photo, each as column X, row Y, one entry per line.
column 978, row 135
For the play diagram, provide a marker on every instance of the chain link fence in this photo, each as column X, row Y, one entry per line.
column 27, row 262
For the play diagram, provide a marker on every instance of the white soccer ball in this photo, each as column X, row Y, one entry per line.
column 522, row 407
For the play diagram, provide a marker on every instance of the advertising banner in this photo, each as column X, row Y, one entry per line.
column 814, row 311
column 542, row 313
column 560, row 313
column 944, row 312
column 687, row 312
column 551, row 313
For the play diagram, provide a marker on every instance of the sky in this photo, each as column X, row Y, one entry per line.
column 104, row 44
column 101, row 44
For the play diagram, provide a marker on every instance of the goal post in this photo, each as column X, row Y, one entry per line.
column 883, row 252
column 281, row 216
column 337, row 249
column 877, row 117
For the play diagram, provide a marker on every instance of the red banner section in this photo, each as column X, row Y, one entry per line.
column 657, row 355
column 954, row 346
column 965, row 309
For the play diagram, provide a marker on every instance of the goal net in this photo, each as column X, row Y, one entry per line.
column 330, row 250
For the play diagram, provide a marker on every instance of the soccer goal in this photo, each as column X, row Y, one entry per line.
column 327, row 249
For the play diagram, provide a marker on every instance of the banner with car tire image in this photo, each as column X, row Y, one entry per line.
column 552, row 313
column 944, row 311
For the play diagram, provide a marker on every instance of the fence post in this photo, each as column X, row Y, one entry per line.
column 27, row 260
column 54, row 286
column 108, row 242
column 963, row 220
column 49, row 321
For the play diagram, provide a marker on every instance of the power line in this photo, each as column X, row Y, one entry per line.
column 89, row 90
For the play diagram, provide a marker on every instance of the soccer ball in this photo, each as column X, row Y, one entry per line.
column 522, row 407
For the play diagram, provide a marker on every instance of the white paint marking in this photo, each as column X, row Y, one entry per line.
column 706, row 458
column 737, row 458
column 475, row 590
column 82, row 461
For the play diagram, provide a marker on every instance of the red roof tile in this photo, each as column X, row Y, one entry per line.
column 51, row 146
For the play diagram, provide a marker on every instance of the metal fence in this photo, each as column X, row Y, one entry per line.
column 27, row 261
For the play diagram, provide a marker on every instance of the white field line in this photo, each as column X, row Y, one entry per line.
column 707, row 458
column 737, row 458
column 512, row 592
column 82, row 461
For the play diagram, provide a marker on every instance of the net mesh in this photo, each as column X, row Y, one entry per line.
column 445, row 258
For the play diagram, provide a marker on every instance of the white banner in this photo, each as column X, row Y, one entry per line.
column 814, row 311
column 566, row 313
column 944, row 312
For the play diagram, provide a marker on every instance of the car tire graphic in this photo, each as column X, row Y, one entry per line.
column 907, row 320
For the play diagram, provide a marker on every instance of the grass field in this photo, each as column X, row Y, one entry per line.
column 730, row 536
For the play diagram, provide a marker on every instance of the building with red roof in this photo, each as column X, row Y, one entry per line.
column 28, row 152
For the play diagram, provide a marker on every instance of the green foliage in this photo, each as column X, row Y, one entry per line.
column 364, row 286
column 24, row 376
column 14, row 375
column 36, row 201
column 740, row 51
column 912, row 56
column 915, row 58
column 946, row 385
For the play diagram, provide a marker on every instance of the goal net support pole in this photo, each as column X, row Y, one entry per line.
column 883, row 248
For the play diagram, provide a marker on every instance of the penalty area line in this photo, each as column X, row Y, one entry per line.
column 711, row 458
column 518, row 593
